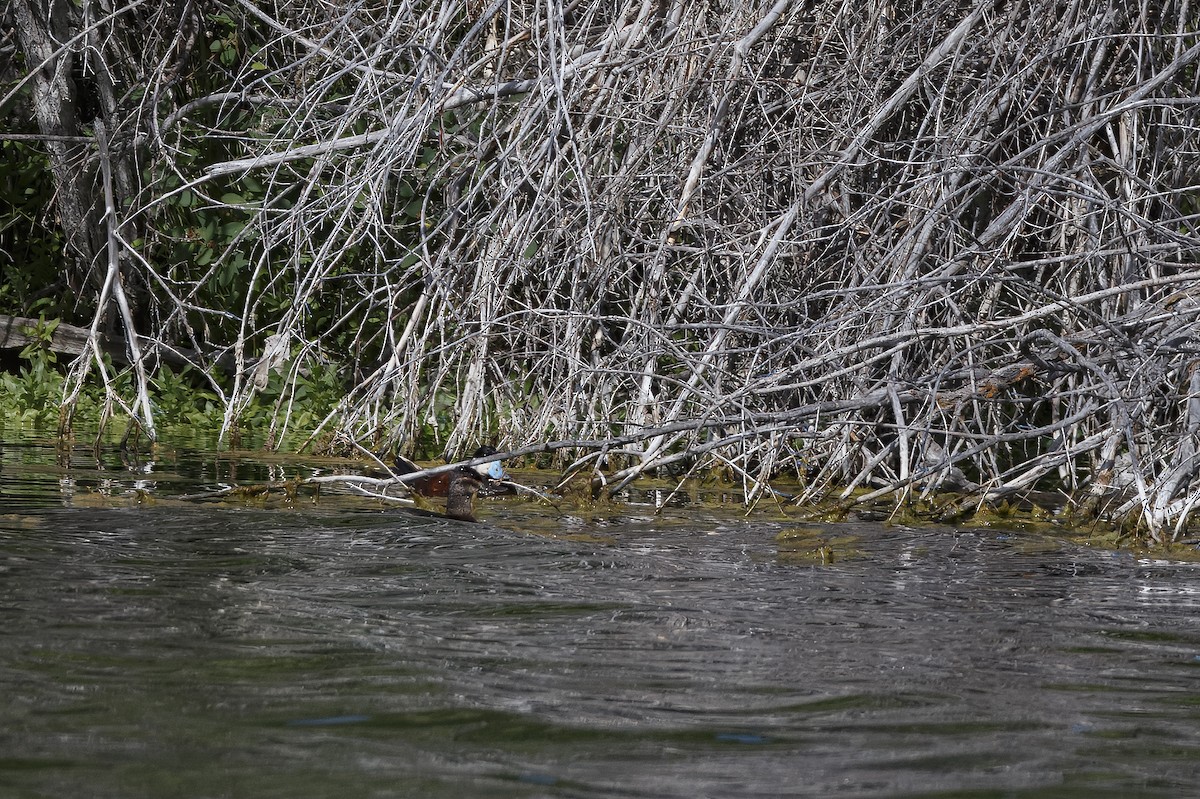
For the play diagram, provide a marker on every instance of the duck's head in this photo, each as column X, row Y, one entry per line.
column 488, row 471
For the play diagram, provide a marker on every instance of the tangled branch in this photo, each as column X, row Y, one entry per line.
column 950, row 245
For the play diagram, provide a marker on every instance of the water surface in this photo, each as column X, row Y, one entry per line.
column 157, row 648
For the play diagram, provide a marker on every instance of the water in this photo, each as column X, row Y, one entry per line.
column 157, row 648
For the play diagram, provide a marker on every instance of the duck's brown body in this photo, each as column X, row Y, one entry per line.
column 438, row 485
column 459, row 486
column 431, row 485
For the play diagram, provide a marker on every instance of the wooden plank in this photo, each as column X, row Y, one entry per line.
column 18, row 331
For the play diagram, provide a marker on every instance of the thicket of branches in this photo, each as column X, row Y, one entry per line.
column 899, row 247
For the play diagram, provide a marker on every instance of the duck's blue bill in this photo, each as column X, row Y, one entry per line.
column 495, row 470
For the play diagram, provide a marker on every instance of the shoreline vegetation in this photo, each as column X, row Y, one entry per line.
column 178, row 472
column 946, row 249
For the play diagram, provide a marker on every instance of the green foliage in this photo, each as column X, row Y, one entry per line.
column 225, row 42
column 306, row 396
column 30, row 239
column 30, row 398
column 183, row 400
column 205, row 241
column 41, row 336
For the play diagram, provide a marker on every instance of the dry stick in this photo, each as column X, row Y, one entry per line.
column 1184, row 463
column 898, row 98
column 736, row 63
column 980, row 327
column 146, row 418
column 1034, row 471
column 816, row 378
column 1082, row 131
column 996, row 380
column 1003, row 489
column 1121, row 409
column 783, row 226
column 459, row 98
column 74, row 384
column 67, row 46
column 629, row 159
column 317, row 47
